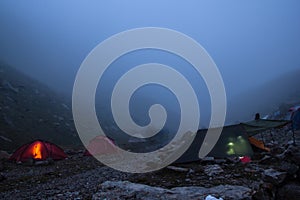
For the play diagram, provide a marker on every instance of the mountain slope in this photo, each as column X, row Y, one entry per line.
column 29, row 110
column 279, row 92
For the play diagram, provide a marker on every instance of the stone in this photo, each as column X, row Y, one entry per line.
column 290, row 168
column 212, row 170
column 273, row 176
column 290, row 191
column 208, row 159
column 2, row 177
column 7, row 85
column 265, row 191
column 178, row 169
column 220, row 161
column 4, row 155
column 210, row 197
column 126, row 190
column 266, row 160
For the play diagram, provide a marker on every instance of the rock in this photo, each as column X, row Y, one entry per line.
column 277, row 150
column 178, row 169
column 8, row 120
column 265, row 191
column 220, row 161
column 4, row 155
column 273, row 176
column 2, row 177
column 290, row 168
column 6, row 84
column 234, row 160
column 212, row 170
column 1, row 166
column 266, row 160
column 253, row 169
column 295, row 157
column 293, row 153
column 128, row 190
column 209, row 197
column 208, row 159
column 290, row 191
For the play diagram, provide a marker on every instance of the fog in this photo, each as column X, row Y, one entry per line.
column 252, row 43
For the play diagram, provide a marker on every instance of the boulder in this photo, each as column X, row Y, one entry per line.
column 290, row 191
column 265, row 191
column 128, row 190
column 4, row 155
column 273, row 176
column 212, row 170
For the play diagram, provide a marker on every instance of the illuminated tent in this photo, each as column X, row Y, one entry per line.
column 101, row 145
column 38, row 150
column 232, row 142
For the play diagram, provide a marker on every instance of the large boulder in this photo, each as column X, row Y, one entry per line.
column 290, row 191
column 128, row 190
column 273, row 176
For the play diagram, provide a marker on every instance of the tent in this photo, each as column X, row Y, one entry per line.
column 38, row 150
column 101, row 145
column 232, row 142
column 294, row 116
column 258, row 143
column 262, row 125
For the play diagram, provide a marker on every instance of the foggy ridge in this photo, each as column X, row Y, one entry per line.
column 29, row 110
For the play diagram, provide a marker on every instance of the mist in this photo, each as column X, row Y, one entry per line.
column 252, row 43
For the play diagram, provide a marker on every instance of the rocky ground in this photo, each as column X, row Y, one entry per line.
column 270, row 175
column 30, row 110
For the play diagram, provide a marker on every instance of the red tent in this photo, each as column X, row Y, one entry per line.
column 38, row 150
column 101, row 145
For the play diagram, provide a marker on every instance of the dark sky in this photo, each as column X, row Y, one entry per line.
column 250, row 41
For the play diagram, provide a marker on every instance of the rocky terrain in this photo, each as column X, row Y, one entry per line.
column 29, row 110
column 281, row 92
column 270, row 175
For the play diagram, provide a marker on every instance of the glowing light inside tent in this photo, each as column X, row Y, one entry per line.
column 230, row 148
column 37, row 151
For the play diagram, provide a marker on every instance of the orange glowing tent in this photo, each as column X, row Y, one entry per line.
column 38, row 150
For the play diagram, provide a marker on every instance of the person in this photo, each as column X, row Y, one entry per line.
column 257, row 116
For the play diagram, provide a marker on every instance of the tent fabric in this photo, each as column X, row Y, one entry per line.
column 256, row 126
column 38, row 150
column 258, row 143
column 232, row 142
column 101, row 145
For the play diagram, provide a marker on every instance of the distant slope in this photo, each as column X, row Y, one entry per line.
column 29, row 110
column 279, row 92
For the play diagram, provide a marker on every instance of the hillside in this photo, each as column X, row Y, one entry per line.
column 279, row 93
column 29, row 110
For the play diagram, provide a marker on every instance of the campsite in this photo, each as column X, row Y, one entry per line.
column 73, row 173
column 149, row 100
column 255, row 159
